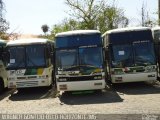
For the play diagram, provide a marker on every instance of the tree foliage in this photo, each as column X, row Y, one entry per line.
column 65, row 25
column 146, row 19
column 45, row 28
column 93, row 14
column 4, row 25
column 111, row 17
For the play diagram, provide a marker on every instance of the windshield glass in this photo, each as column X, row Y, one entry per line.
column 17, row 57
column 122, row 55
column 35, row 56
column 66, row 58
column 91, row 57
column 144, row 54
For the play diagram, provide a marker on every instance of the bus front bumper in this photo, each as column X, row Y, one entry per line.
column 28, row 83
column 81, row 85
column 139, row 77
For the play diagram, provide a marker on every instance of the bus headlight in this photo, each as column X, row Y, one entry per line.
column 97, row 77
column 43, row 76
column 62, row 79
column 150, row 69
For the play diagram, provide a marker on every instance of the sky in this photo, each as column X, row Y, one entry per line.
column 27, row 16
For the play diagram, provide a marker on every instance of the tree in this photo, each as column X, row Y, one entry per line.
column 146, row 20
column 158, row 12
column 111, row 17
column 4, row 25
column 1, row 7
column 85, row 11
column 65, row 25
column 90, row 14
column 93, row 14
column 45, row 28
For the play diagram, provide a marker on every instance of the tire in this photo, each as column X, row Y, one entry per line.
column 54, row 80
column 1, row 85
column 20, row 89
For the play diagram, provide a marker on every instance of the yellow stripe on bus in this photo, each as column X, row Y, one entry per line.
column 40, row 71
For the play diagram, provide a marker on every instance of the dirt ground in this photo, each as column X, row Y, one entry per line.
column 128, row 98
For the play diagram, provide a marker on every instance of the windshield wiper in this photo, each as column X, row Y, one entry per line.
column 73, row 67
column 143, row 62
column 89, row 65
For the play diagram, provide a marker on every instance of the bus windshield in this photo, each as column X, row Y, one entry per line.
column 122, row 55
column 144, row 54
column 91, row 57
column 17, row 57
column 66, row 58
column 35, row 56
column 26, row 57
column 129, row 55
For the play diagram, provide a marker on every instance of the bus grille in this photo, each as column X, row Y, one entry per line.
column 81, row 78
column 27, row 84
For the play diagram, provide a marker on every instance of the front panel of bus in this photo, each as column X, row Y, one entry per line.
column 29, row 66
column 132, row 60
column 3, row 72
column 79, row 68
column 156, row 34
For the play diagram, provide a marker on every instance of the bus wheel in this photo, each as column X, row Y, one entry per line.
column 20, row 89
column 99, row 91
column 109, row 82
column 1, row 85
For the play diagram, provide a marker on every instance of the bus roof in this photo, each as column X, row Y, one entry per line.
column 77, row 32
column 128, row 29
column 28, row 41
column 156, row 28
column 3, row 42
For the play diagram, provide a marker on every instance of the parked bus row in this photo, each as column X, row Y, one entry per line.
column 81, row 59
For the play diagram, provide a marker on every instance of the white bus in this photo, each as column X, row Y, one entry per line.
column 79, row 61
column 156, row 36
column 29, row 63
column 3, row 72
column 130, row 55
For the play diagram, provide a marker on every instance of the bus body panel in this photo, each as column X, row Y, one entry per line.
column 81, row 85
column 3, row 74
column 156, row 36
